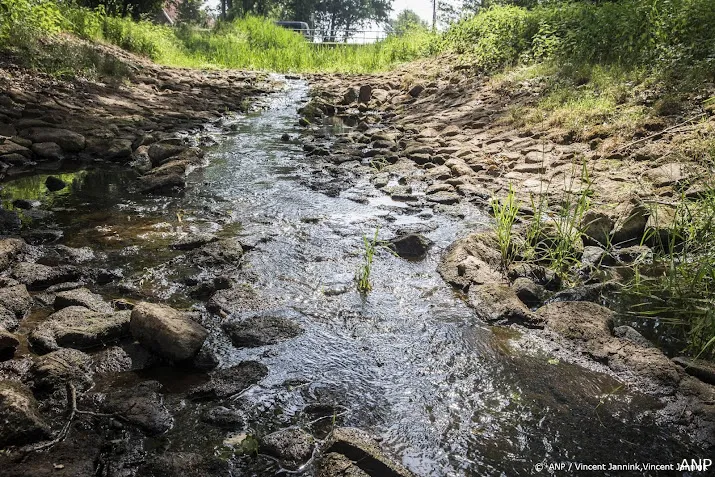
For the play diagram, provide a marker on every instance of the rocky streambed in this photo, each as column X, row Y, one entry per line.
column 216, row 329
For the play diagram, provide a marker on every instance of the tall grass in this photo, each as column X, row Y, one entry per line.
column 249, row 43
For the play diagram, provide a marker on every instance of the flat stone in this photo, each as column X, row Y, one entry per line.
column 249, row 330
column 230, row 381
column 81, row 297
column 142, row 406
column 497, row 303
column 54, row 370
column 47, row 150
column 10, row 248
column 699, row 368
column 193, row 241
column 80, row 328
column 411, row 245
column 670, row 174
column 39, row 277
column 69, row 141
column 578, row 320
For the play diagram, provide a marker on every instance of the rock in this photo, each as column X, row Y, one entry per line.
column 81, row 297
column 10, row 248
column 118, row 150
column 631, row 219
column 10, row 222
column 240, row 297
column 39, row 277
column 596, row 257
column 497, row 303
column 10, row 147
column 333, row 464
column 8, row 321
column 363, row 451
column 250, row 330
column 47, row 150
column 530, row 293
column 416, row 90
column 25, row 204
column 42, row 236
column 578, row 320
column 54, row 370
column 193, row 241
column 473, row 259
column 350, row 96
column 141, row 160
column 229, row 381
column 630, row 334
column 142, row 406
column 21, row 420
column 411, row 245
column 701, row 369
column 161, row 183
column 636, row 253
column 8, row 344
column 543, row 276
column 16, row 299
column 166, row 331
column 593, row 292
column 365, row 94
column 596, row 227
column 224, row 418
column 54, row 184
column 80, row 328
column 447, row 198
column 293, row 447
column 69, row 141
column 671, row 174
column 160, row 151
column 185, row 464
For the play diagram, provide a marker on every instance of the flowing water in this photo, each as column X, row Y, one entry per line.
column 448, row 395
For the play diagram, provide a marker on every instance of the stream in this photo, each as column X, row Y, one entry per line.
column 409, row 362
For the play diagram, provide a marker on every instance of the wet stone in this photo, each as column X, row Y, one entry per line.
column 54, row 370
column 630, row 334
column 21, row 420
column 250, row 330
column 81, row 297
column 293, row 447
column 166, row 331
column 184, row 464
column 497, row 303
column 229, row 381
column 699, row 368
column 8, row 344
column 38, row 277
column 411, row 245
column 141, row 406
column 224, row 418
column 16, row 300
column 54, row 184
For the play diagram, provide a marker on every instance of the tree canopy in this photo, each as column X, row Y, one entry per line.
column 407, row 20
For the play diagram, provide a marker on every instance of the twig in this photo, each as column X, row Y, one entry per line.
column 72, row 404
column 659, row 133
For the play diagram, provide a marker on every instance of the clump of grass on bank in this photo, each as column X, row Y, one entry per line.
column 602, row 68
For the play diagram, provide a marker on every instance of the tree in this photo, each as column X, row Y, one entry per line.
column 334, row 17
column 407, row 20
column 189, row 12
column 136, row 8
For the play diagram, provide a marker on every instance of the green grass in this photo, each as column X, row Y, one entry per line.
column 362, row 276
column 249, row 43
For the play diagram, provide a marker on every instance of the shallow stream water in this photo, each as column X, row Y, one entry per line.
column 448, row 395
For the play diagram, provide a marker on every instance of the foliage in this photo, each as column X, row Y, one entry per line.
column 505, row 213
column 137, row 9
column 405, row 21
column 362, row 276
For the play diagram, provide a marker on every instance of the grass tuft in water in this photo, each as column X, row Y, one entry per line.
column 362, row 276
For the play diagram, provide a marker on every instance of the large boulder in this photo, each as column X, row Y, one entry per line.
column 161, row 183
column 160, row 151
column 39, row 277
column 263, row 328
column 229, row 381
column 631, row 219
column 166, row 331
column 472, row 260
column 293, row 447
column 19, row 416
column 10, row 223
column 80, row 328
column 69, row 141
column 16, row 299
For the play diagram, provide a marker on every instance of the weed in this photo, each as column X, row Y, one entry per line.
column 505, row 213
column 362, row 277
column 379, row 163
